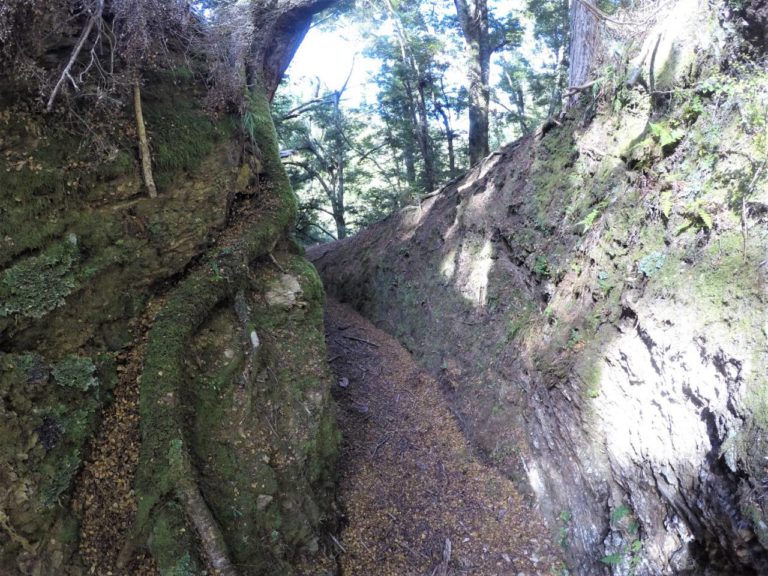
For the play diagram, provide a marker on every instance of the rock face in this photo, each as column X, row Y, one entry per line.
column 594, row 301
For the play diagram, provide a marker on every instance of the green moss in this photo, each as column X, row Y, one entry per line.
column 165, row 381
column 39, row 284
column 182, row 134
column 46, row 180
column 311, row 284
column 757, row 400
column 61, row 479
column 122, row 163
column 76, row 372
column 172, row 544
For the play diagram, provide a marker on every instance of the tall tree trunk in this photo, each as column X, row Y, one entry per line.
column 474, row 25
column 409, row 160
column 338, row 204
column 417, row 99
column 425, row 142
column 449, row 137
column 584, row 43
column 520, row 105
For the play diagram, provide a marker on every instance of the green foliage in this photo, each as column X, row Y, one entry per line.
column 666, row 136
column 514, row 325
column 692, row 109
column 76, row 372
column 696, row 217
column 629, row 554
column 39, row 284
column 650, row 264
column 541, row 267
column 666, row 204
column 604, row 282
column 613, row 559
column 592, row 216
column 619, row 513
column 575, row 338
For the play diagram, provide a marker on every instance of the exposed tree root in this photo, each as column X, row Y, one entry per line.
column 165, row 467
column 207, row 528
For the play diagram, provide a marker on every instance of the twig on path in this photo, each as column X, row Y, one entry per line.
column 338, row 544
column 412, row 551
column 363, row 340
column 458, row 417
column 442, row 568
column 380, row 444
column 334, row 358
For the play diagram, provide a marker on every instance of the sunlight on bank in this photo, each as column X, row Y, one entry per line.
column 474, row 267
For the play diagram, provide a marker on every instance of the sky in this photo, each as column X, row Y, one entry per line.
column 329, row 56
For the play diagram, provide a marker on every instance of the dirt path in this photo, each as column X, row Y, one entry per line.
column 417, row 501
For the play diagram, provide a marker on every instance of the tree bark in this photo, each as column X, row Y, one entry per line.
column 338, row 201
column 474, row 25
column 166, row 469
column 280, row 26
column 417, row 101
column 425, row 142
column 584, row 44
column 141, row 131
column 449, row 137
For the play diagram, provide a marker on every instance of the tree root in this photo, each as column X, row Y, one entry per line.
column 207, row 528
column 165, row 466
column 5, row 524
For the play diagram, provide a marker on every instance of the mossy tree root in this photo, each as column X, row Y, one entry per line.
column 165, row 467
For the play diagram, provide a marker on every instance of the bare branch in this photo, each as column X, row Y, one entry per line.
column 146, row 158
column 305, row 107
column 75, row 53
column 312, row 172
column 600, row 15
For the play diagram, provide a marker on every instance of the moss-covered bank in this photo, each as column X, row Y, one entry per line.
column 73, row 287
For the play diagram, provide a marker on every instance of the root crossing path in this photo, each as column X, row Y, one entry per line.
column 417, row 501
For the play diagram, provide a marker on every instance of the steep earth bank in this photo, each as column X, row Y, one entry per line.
column 593, row 299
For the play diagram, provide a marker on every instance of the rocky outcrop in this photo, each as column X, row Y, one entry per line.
column 594, row 300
